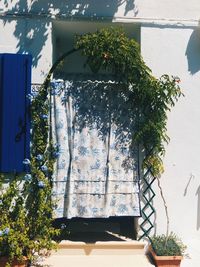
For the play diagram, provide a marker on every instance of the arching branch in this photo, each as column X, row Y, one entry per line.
column 55, row 65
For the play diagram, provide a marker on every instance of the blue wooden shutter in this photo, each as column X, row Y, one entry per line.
column 15, row 85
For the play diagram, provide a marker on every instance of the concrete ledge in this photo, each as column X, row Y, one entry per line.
column 97, row 261
column 100, row 248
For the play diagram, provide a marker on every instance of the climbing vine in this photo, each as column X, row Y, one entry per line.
column 151, row 98
column 112, row 51
column 39, row 199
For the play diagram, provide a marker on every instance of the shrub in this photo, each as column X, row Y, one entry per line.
column 167, row 246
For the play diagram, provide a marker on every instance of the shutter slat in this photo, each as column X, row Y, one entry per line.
column 15, row 81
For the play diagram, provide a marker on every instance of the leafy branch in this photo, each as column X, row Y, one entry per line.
column 111, row 50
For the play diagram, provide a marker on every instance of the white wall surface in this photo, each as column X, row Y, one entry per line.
column 28, row 36
column 25, row 25
column 176, row 51
column 176, row 9
column 7, row 39
column 166, row 49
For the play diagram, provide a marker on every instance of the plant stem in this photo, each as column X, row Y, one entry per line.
column 166, row 208
column 55, row 65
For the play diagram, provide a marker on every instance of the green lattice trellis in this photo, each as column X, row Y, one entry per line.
column 148, row 210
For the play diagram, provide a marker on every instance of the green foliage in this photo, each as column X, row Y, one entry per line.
column 167, row 246
column 150, row 98
column 111, row 50
column 14, row 227
column 39, row 203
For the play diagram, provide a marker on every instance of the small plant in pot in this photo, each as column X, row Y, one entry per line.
column 167, row 250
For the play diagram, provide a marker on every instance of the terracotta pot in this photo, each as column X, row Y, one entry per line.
column 166, row 261
column 15, row 262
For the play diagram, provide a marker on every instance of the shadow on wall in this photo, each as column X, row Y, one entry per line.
column 193, row 52
column 198, row 198
column 188, row 184
column 198, row 207
column 32, row 33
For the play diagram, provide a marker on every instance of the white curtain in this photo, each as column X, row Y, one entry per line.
column 96, row 172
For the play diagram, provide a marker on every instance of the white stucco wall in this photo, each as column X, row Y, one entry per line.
column 25, row 26
column 167, row 48
column 24, row 36
column 176, row 51
column 177, row 9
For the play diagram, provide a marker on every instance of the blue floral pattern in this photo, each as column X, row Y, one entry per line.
column 91, row 177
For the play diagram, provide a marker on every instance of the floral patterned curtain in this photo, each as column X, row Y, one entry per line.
column 96, row 172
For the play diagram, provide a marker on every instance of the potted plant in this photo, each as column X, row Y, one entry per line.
column 167, row 250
